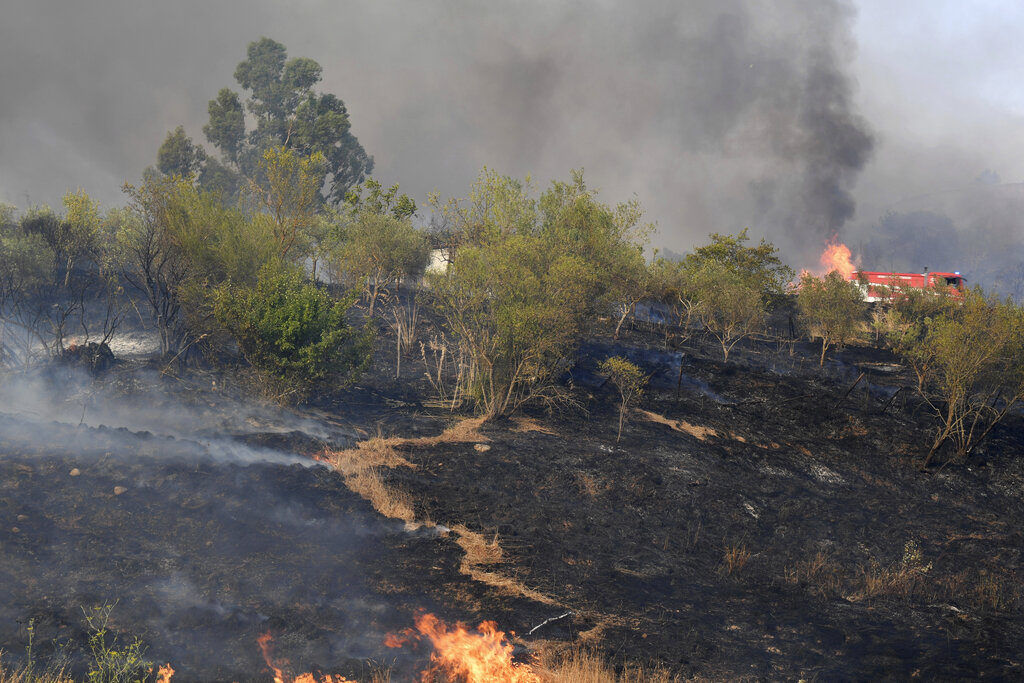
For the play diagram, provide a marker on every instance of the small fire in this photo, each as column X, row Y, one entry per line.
column 837, row 257
column 164, row 673
column 266, row 643
column 484, row 656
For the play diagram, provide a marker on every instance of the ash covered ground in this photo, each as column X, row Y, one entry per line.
column 755, row 521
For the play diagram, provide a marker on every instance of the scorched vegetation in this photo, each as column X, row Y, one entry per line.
column 454, row 449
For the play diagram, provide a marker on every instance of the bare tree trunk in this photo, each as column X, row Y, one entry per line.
column 626, row 310
column 622, row 417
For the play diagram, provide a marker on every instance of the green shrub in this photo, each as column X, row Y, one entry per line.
column 832, row 307
column 293, row 332
column 112, row 661
column 629, row 380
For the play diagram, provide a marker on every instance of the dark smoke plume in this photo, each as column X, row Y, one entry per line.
column 717, row 114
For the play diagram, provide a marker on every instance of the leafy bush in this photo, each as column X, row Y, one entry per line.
column 378, row 250
column 629, row 380
column 516, row 310
column 759, row 267
column 526, row 276
column 294, row 333
column 969, row 360
column 832, row 306
column 731, row 306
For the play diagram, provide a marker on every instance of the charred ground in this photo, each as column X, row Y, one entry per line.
column 755, row 521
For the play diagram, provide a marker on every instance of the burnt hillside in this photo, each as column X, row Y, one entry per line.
column 757, row 520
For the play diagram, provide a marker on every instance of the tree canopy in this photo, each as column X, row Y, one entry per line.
column 288, row 112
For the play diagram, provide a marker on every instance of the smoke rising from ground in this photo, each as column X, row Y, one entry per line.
column 135, row 413
column 717, row 114
column 173, row 505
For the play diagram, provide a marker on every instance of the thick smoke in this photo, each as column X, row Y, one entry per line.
column 717, row 114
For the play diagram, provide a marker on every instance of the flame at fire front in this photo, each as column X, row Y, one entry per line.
column 277, row 666
column 837, row 257
column 483, row 656
column 164, row 673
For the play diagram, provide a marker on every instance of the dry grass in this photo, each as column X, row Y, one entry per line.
column 901, row 579
column 29, row 676
column 878, row 581
column 466, row 430
column 361, row 467
column 479, row 552
column 375, row 452
column 698, row 432
column 821, row 573
column 735, row 559
column 581, row 665
column 528, row 424
column 996, row 591
column 589, row 486
column 369, row 483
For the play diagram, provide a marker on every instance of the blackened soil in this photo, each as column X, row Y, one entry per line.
column 202, row 547
column 759, row 520
column 811, row 489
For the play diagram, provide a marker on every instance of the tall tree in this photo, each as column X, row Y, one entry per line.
column 288, row 112
column 178, row 155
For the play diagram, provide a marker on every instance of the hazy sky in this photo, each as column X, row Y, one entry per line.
column 705, row 110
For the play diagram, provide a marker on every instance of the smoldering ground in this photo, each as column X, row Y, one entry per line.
column 203, row 542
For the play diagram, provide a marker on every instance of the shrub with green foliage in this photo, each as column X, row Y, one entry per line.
column 731, row 306
column 832, row 307
column 526, row 276
column 969, row 359
column 759, row 267
column 378, row 250
column 629, row 380
column 515, row 308
column 293, row 332
column 112, row 660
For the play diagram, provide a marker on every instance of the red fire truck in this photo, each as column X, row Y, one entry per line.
column 886, row 286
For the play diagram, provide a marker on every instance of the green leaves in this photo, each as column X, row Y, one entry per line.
column 628, row 379
column 293, row 332
column 378, row 249
column 288, row 112
column 526, row 276
column 226, row 129
column 832, row 307
column 759, row 266
column 178, row 156
column 969, row 359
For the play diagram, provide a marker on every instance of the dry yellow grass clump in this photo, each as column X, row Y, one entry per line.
column 361, row 467
column 579, row 665
column 479, row 552
column 7, row 676
column 696, row 431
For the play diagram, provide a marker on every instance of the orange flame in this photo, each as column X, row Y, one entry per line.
column 277, row 666
column 164, row 673
column 481, row 657
column 267, row 648
column 837, row 257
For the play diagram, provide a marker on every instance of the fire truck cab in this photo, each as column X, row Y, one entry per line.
column 877, row 286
